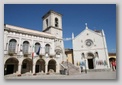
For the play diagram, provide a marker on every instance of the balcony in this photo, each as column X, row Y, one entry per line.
column 11, row 53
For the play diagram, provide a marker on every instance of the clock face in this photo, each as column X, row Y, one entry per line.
column 89, row 42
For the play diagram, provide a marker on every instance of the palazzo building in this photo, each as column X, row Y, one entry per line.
column 90, row 50
column 31, row 51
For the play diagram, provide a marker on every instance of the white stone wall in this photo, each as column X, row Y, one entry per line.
column 56, row 31
column 49, row 22
column 53, row 37
column 20, row 38
column 99, row 45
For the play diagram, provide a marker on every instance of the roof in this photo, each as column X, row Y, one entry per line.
column 27, row 31
column 95, row 32
column 49, row 12
column 112, row 54
column 68, row 50
column 98, row 31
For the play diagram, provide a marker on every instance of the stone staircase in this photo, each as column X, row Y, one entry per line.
column 98, row 70
column 70, row 68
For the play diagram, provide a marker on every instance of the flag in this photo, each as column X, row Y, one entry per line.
column 38, row 51
column 32, row 54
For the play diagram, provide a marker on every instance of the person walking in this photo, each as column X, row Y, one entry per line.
column 113, row 65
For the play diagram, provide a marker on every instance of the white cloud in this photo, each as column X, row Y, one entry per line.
column 113, row 49
column 67, row 39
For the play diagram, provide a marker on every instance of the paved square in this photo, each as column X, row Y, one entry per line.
column 89, row 75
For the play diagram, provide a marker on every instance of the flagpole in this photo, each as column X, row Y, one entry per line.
column 32, row 62
column 33, row 67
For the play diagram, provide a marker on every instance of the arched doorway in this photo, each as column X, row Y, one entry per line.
column 111, row 60
column 40, row 66
column 90, row 58
column 27, row 65
column 52, row 65
column 11, row 66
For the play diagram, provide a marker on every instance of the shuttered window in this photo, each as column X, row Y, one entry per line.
column 47, row 48
column 25, row 47
column 12, row 46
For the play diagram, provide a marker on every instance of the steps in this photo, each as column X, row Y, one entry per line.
column 70, row 68
column 98, row 70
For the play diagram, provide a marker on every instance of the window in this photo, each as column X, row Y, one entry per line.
column 89, row 42
column 47, row 22
column 12, row 46
column 47, row 48
column 58, row 54
column 96, row 54
column 83, row 56
column 56, row 22
column 37, row 46
column 25, row 47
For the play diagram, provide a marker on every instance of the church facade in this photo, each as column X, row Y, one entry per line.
column 90, row 50
column 30, row 51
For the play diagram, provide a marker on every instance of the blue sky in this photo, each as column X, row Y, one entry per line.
column 98, row 16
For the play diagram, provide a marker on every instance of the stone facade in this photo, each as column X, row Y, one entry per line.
column 69, row 54
column 90, row 50
column 31, row 51
column 112, row 58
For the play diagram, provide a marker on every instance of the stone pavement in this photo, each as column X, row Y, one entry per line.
column 88, row 75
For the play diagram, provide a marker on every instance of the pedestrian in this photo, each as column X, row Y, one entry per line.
column 81, row 69
column 113, row 65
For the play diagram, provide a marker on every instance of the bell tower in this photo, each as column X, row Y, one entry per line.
column 52, row 23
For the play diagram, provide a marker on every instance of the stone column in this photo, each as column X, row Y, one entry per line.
column 33, row 68
column 86, row 64
column 46, row 68
column 57, row 68
column 19, row 69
